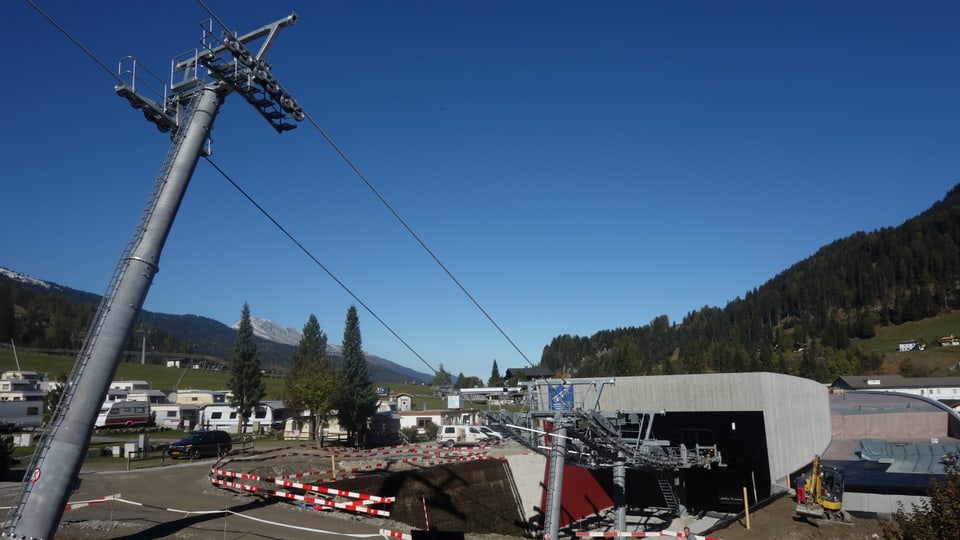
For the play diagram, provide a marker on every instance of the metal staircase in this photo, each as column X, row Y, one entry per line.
column 665, row 481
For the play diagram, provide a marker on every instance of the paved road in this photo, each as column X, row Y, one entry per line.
column 178, row 501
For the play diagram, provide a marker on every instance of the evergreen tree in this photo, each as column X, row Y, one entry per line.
column 311, row 382
column 358, row 399
column 495, row 378
column 245, row 381
column 7, row 315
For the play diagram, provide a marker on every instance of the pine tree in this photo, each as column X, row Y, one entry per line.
column 358, row 399
column 311, row 381
column 495, row 378
column 8, row 317
column 245, row 382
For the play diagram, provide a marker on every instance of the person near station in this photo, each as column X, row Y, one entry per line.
column 688, row 534
column 802, row 488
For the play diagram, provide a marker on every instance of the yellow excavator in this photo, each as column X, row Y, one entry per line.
column 824, row 494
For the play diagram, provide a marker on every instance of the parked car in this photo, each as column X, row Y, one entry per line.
column 201, row 444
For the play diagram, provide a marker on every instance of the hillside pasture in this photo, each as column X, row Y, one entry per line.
column 159, row 377
column 933, row 362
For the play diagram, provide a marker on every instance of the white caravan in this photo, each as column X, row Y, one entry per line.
column 266, row 416
column 20, row 415
column 124, row 414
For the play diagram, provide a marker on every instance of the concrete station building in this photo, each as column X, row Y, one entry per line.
column 768, row 428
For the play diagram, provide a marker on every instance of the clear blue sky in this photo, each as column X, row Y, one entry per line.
column 578, row 166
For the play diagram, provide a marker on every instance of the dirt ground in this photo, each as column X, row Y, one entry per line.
column 778, row 520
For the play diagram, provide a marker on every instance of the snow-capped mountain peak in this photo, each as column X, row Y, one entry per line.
column 17, row 276
column 272, row 331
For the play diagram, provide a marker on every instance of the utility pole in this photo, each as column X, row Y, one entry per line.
column 188, row 111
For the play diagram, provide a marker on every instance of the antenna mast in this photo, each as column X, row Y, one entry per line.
column 187, row 109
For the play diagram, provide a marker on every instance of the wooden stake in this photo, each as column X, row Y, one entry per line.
column 746, row 506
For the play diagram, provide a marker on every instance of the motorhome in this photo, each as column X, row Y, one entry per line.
column 266, row 416
column 20, row 415
column 124, row 414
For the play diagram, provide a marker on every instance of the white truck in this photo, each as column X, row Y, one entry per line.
column 462, row 435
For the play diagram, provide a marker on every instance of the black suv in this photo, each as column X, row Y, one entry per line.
column 200, row 444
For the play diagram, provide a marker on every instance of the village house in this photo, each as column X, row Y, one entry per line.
column 949, row 341
column 938, row 388
column 914, row 345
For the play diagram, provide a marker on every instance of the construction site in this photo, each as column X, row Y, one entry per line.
column 625, row 456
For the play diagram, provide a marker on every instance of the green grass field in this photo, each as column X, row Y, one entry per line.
column 928, row 330
column 934, row 361
column 166, row 379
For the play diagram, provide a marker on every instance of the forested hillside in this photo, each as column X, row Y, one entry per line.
column 51, row 317
column 58, row 317
column 801, row 321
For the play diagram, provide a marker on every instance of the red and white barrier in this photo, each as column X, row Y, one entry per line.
column 637, row 534
column 386, row 533
column 81, row 504
column 356, row 506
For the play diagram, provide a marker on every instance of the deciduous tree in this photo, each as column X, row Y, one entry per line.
column 311, row 382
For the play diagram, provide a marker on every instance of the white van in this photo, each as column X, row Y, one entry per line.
column 461, row 435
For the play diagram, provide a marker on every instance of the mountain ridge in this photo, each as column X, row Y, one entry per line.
column 200, row 334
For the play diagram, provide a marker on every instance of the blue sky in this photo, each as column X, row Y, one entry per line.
column 578, row 166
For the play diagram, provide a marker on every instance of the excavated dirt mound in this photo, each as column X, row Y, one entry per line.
column 470, row 497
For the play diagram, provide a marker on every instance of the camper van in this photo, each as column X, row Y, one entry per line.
column 461, row 435
column 20, row 415
column 123, row 414
column 266, row 416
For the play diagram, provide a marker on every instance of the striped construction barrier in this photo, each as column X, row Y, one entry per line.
column 338, row 492
column 81, row 504
column 637, row 534
column 351, row 506
column 365, row 468
column 386, row 533
column 422, row 455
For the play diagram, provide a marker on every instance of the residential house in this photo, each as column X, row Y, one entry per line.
column 938, row 388
column 949, row 341
column 22, row 386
